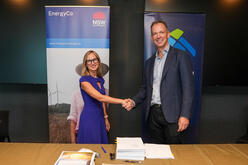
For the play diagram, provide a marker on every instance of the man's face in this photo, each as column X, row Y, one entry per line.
column 160, row 35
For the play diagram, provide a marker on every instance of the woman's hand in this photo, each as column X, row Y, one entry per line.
column 107, row 124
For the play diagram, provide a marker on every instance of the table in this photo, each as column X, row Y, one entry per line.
column 197, row 154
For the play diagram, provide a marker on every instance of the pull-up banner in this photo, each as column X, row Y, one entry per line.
column 186, row 33
column 70, row 32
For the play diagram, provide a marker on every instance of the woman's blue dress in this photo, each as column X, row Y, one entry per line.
column 92, row 129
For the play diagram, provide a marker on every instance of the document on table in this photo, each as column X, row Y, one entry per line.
column 158, row 151
column 130, row 148
column 76, row 158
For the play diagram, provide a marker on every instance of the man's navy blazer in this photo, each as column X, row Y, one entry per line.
column 176, row 88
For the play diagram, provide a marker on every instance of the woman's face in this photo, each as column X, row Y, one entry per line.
column 92, row 62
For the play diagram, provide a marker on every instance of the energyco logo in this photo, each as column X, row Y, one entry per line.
column 60, row 13
column 176, row 40
column 99, row 19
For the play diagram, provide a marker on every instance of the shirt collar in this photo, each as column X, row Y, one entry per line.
column 165, row 51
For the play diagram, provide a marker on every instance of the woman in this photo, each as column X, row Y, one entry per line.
column 94, row 124
column 77, row 104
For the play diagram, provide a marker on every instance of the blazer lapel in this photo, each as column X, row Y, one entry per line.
column 151, row 69
column 168, row 62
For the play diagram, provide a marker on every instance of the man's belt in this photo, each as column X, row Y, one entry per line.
column 156, row 106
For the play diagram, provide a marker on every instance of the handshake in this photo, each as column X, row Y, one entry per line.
column 128, row 104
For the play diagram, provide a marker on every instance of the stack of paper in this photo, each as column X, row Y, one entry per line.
column 158, row 151
column 130, row 148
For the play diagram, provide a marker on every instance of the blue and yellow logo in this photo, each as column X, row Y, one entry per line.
column 178, row 41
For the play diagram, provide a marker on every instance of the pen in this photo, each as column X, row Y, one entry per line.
column 132, row 161
column 103, row 150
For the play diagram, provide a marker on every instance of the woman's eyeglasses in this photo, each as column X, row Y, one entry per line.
column 94, row 60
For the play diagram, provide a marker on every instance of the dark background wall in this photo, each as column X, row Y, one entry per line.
column 28, row 115
column 225, row 38
column 23, row 89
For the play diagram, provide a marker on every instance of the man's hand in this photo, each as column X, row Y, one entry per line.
column 128, row 105
column 183, row 123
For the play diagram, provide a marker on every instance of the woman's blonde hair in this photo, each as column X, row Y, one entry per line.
column 85, row 70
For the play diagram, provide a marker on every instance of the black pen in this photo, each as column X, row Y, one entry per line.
column 132, row 161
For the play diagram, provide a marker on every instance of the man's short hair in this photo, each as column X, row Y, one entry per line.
column 159, row 21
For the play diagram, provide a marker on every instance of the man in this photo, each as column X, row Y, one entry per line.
column 167, row 89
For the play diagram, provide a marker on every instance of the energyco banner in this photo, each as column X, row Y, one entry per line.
column 187, row 33
column 70, row 32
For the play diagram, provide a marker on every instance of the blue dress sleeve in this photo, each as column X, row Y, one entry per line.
column 84, row 78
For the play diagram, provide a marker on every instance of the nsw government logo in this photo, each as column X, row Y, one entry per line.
column 99, row 19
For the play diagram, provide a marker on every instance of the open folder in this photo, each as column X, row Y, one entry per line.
column 158, row 151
